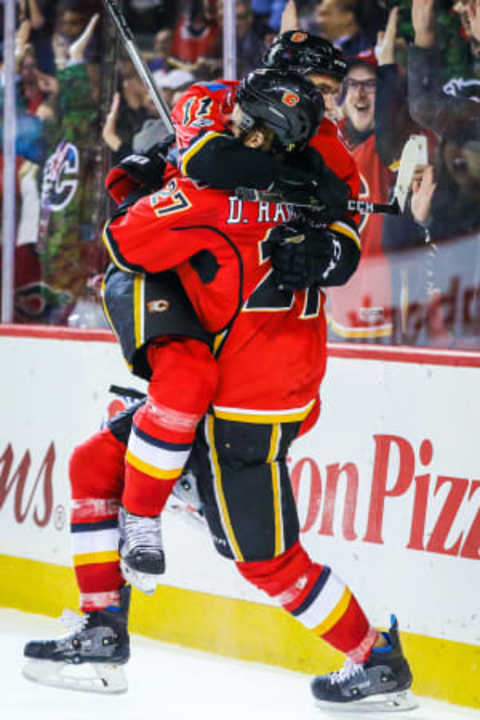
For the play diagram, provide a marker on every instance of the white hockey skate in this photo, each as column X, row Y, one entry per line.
column 381, row 683
column 142, row 560
column 185, row 502
column 89, row 657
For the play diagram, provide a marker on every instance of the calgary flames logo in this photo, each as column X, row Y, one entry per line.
column 290, row 99
column 298, row 37
column 158, row 306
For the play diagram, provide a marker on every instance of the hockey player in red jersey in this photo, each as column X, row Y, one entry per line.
column 214, row 277
column 267, row 386
column 164, row 426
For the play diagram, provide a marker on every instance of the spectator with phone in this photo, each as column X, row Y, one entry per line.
column 444, row 205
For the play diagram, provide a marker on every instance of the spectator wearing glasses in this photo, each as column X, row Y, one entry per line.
column 363, row 313
column 376, row 126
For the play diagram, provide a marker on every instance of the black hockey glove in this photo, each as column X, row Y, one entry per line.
column 303, row 256
column 314, row 185
column 135, row 172
column 295, row 186
column 332, row 190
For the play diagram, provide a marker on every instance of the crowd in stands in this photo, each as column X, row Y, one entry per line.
column 414, row 69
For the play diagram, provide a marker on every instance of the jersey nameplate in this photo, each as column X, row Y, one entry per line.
column 264, row 212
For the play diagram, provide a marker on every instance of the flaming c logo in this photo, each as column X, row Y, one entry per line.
column 290, row 99
column 158, row 306
column 298, row 37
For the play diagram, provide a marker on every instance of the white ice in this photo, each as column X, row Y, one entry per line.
column 173, row 683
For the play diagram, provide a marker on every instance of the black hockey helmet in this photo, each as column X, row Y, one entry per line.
column 285, row 102
column 305, row 53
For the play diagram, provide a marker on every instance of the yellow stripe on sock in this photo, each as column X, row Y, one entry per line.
column 151, row 469
column 96, row 557
column 338, row 611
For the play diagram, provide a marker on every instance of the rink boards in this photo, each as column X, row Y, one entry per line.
column 387, row 484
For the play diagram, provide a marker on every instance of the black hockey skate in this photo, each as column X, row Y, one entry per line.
column 142, row 559
column 380, row 683
column 98, row 641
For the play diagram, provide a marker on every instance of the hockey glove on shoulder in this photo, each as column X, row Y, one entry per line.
column 295, row 186
column 319, row 188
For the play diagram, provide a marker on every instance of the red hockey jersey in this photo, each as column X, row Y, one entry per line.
column 270, row 344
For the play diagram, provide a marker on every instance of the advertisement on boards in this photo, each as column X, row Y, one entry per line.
column 387, row 483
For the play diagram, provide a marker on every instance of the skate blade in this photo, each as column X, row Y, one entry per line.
column 187, row 513
column 103, row 678
column 400, row 701
column 145, row 582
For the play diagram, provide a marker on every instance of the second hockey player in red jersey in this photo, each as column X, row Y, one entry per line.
column 220, row 247
column 221, row 251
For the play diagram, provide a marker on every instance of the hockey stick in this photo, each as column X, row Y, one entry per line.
column 142, row 69
column 363, row 207
column 413, row 154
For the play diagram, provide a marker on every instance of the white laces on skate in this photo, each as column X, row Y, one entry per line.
column 349, row 670
column 143, row 531
column 141, row 550
column 74, row 622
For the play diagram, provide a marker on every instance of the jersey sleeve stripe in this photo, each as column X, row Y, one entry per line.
column 195, row 148
column 348, row 230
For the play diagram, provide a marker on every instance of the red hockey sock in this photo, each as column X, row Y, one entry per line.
column 316, row 598
column 184, row 378
column 96, row 471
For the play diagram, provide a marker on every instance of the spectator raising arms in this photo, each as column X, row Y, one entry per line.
column 69, row 248
column 363, row 312
column 434, row 103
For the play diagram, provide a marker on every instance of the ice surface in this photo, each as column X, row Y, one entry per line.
column 173, row 683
